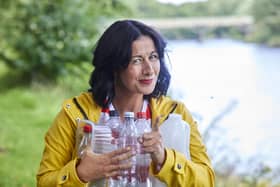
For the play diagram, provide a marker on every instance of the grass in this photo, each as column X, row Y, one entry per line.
column 25, row 117
column 23, row 124
column 26, row 113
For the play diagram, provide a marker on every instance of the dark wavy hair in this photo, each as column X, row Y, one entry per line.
column 113, row 53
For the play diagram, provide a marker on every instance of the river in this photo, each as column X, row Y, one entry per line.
column 240, row 79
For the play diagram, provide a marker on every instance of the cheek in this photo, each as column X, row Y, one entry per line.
column 128, row 77
column 157, row 68
column 133, row 74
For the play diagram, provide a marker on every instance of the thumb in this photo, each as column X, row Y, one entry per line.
column 155, row 127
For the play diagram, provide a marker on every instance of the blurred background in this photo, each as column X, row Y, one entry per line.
column 224, row 57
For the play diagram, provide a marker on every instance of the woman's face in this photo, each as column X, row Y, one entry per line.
column 140, row 77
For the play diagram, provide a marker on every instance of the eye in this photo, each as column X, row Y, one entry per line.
column 153, row 57
column 137, row 60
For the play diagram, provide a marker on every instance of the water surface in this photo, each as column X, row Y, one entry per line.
column 218, row 75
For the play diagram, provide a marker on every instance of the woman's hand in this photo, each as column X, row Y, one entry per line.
column 152, row 143
column 94, row 166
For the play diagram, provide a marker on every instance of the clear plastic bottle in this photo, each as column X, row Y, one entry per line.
column 142, row 124
column 143, row 159
column 80, row 132
column 101, row 142
column 115, row 125
column 128, row 138
column 104, row 116
column 102, row 135
column 86, row 139
column 180, row 131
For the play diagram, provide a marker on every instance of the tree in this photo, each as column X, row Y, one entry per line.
column 267, row 22
column 40, row 38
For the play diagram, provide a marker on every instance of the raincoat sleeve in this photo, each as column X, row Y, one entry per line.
column 179, row 171
column 58, row 164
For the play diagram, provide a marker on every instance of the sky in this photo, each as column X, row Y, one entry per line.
column 179, row 1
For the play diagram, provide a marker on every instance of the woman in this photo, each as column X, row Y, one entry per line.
column 129, row 74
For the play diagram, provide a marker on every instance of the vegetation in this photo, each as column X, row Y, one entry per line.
column 267, row 27
column 200, row 9
column 42, row 42
column 42, row 39
column 265, row 30
column 26, row 114
column 230, row 168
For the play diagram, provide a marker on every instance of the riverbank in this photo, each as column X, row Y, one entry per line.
column 27, row 111
column 230, row 87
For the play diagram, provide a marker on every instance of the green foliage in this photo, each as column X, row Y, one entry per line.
column 155, row 9
column 267, row 26
column 223, row 8
column 38, row 38
column 212, row 8
column 202, row 33
column 267, row 20
column 175, row 34
column 26, row 113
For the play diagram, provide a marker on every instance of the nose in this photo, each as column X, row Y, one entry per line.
column 147, row 67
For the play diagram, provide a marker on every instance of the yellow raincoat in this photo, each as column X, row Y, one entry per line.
column 58, row 164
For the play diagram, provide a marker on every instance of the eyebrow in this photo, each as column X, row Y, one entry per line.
column 140, row 56
column 137, row 56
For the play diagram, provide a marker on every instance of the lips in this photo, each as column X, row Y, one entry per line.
column 146, row 81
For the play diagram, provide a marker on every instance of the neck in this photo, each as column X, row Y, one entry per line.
column 124, row 104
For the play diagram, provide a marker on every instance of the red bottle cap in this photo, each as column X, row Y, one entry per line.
column 87, row 128
column 141, row 115
column 105, row 110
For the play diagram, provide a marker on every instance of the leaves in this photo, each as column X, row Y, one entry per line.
column 267, row 27
column 40, row 37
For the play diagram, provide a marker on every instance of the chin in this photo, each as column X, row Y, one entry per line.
column 147, row 91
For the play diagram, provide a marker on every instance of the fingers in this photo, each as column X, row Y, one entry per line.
column 118, row 167
column 151, row 138
column 140, row 139
column 121, row 157
column 116, row 170
column 119, row 152
column 112, row 174
column 154, row 146
column 152, row 143
column 96, row 166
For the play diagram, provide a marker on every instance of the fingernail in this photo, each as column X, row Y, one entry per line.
column 140, row 140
